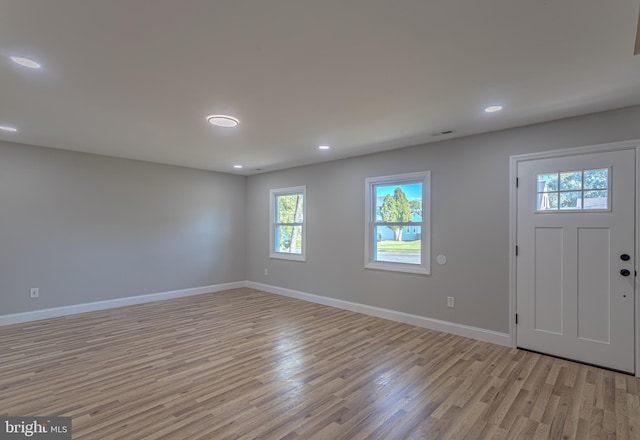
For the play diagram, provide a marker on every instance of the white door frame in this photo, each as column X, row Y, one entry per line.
column 513, row 197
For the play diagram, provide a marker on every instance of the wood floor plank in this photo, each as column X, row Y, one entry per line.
column 245, row 364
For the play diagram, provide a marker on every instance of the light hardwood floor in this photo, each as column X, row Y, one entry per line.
column 245, row 364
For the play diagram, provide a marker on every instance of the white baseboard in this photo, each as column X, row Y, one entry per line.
column 393, row 315
column 407, row 318
column 18, row 318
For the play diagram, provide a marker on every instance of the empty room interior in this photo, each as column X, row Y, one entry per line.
column 319, row 220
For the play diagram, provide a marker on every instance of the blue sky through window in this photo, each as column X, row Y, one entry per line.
column 412, row 190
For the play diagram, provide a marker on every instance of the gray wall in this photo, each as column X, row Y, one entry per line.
column 86, row 228
column 470, row 220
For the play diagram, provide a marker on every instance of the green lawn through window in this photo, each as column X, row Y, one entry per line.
column 399, row 246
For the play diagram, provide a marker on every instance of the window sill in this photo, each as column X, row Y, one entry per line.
column 286, row 256
column 396, row 267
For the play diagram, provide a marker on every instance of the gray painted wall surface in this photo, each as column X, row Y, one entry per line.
column 470, row 220
column 86, row 228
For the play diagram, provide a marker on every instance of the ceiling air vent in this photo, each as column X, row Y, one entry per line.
column 443, row 133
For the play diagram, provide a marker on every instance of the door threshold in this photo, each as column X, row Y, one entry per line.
column 577, row 361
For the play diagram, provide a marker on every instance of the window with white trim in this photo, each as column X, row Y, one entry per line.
column 581, row 190
column 287, row 238
column 397, row 227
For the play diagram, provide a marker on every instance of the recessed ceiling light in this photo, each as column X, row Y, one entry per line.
column 26, row 62
column 493, row 108
column 6, row 128
column 323, row 147
column 237, row 166
column 223, row 121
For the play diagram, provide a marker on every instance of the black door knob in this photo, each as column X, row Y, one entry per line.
column 625, row 257
column 625, row 272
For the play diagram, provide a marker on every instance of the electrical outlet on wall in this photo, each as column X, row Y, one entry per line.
column 34, row 292
column 266, row 271
column 450, row 302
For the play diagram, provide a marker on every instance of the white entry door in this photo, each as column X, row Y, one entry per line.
column 575, row 263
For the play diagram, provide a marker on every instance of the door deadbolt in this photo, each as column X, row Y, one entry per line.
column 625, row 257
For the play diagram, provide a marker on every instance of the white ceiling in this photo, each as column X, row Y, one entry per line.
column 136, row 78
